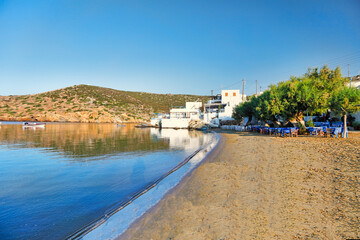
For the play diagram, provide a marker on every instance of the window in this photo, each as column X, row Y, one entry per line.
column 226, row 94
column 234, row 94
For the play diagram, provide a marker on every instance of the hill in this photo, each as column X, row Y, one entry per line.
column 84, row 103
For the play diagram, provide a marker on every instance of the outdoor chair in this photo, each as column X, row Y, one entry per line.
column 286, row 132
column 312, row 131
column 294, row 132
column 329, row 132
column 342, row 132
column 271, row 131
column 268, row 131
column 277, row 132
column 320, row 132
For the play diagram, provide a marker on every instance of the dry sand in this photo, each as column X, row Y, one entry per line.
column 261, row 187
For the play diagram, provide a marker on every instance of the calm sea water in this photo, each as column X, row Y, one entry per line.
column 56, row 180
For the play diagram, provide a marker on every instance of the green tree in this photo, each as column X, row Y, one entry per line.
column 345, row 100
column 310, row 93
column 290, row 100
column 238, row 113
column 246, row 109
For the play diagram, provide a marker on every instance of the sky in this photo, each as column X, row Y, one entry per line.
column 185, row 47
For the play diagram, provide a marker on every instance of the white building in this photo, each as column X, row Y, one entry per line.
column 191, row 111
column 355, row 82
column 180, row 117
column 222, row 106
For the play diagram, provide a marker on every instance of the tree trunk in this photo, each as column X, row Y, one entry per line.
column 299, row 119
column 345, row 126
column 249, row 121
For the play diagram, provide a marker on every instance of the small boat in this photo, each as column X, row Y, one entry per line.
column 143, row 125
column 120, row 125
column 33, row 125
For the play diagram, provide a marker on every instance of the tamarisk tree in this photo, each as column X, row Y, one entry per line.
column 289, row 100
column 345, row 100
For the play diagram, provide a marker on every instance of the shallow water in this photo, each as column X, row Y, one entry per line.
column 56, row 180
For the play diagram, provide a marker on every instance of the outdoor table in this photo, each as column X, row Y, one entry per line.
column 278, row 131
column 338, row 130
column 337, row 124
column 322, row 124
column 314, row 130
column 286, row 131
column 272, row 131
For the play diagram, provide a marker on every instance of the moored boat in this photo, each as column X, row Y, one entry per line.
column 33, row 125
column 143, row 125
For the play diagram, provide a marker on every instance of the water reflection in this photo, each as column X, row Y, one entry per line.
column 82, row 140
column 186, row 140
column 42, row 195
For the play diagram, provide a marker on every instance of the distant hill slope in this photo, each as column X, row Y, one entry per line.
column 84, row 103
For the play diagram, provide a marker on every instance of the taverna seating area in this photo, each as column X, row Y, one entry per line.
column 324, row 129
column 235, row 128
column 281, row 132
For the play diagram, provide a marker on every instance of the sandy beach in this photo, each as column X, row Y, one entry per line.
column 259, row 187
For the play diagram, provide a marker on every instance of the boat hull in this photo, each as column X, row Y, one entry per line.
column 34, row 125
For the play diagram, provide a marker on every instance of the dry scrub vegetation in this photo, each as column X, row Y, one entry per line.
column 84, row 103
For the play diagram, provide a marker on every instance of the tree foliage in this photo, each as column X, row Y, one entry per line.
column 345, row 100
column 247, row 110
column 290, row 100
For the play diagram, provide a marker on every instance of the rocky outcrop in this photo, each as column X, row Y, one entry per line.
column 196, row 124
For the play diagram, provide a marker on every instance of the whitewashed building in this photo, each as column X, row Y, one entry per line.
column 180, row 117
column 355, row 82
column 222, row 105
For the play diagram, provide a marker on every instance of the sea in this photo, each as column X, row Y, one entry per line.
column 56, row 180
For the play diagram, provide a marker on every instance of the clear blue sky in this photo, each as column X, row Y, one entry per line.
column 171, row 46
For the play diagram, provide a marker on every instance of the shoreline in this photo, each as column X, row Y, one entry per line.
column 256, row 186
column 16, row 121
column 118, row 220
column 175, row 190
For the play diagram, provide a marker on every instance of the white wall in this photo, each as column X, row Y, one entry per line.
column 233, row 98
column 230, row 98
column 185, row 113
column 209, row 116
column 175, row 123
column 193, row 105
column 355, row 84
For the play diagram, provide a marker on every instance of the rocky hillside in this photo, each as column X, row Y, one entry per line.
column 84, row 103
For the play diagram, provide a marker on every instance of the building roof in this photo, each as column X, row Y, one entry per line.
column 183, row 110
column 355, row 78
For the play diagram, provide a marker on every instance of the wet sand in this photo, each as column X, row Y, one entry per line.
column 261, row 187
